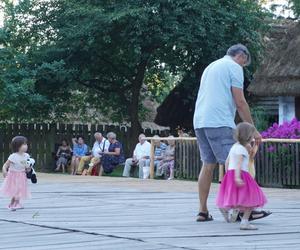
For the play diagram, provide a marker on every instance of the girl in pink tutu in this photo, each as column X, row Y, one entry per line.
column 238, row 189
column 14, row 172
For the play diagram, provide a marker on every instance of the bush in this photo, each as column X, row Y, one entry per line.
column 288, row 130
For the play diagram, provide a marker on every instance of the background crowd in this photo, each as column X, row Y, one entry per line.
column 107, row 154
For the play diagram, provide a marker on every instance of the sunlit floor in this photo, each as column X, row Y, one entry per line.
column 74, row 212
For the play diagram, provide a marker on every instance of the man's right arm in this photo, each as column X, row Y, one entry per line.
column 241, row 105
column 243, row 109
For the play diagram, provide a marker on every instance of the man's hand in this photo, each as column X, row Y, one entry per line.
column 258, row 138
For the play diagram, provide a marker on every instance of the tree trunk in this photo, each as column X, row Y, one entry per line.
column 136, row 127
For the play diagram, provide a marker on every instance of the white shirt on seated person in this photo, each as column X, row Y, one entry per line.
column 100, row 147
column 142, row 150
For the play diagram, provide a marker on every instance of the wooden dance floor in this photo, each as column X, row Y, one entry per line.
column 74, row 212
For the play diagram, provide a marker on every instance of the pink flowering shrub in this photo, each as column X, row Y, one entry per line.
column 288, row 130
column 280, row 152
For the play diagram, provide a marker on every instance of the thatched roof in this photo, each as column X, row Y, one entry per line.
column 279, row 73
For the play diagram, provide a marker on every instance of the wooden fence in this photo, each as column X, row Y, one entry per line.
column 44, row 137
column 277, row 162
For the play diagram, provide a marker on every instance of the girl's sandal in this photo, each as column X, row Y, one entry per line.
column 202, row 217
column 248, row 227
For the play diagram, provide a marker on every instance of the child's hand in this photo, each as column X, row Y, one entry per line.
column 239, row 182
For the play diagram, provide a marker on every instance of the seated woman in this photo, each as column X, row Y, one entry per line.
column 113, row 156
column 64, row 154
column 80, row 149
column 168, row 161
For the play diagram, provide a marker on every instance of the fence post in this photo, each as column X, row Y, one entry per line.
column 152, row 160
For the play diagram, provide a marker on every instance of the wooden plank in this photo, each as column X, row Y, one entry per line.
column 63, row 222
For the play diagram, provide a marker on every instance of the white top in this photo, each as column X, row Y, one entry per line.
column 215, row 106
column 234, row 153
column 17, row 162
column 100, row 147
column 142, row 150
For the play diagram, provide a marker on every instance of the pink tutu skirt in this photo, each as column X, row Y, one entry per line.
column 249, row 195
column 15, row 185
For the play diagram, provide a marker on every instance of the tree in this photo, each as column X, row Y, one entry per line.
column 109, row 47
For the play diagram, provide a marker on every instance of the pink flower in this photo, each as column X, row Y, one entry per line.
column 286, row 130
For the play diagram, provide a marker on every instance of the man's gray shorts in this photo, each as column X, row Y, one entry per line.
column 214, row 144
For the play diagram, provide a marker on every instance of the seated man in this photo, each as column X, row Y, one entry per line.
column 80, row 149
column 100, row 145
column 141, row 157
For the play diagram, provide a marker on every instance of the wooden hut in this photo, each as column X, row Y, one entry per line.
column 279, row 74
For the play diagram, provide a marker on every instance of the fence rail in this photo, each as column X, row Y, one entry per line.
column 43, row 137
column 277, row 161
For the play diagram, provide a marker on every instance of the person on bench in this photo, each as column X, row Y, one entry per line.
column 101, row 144
column 113, row 156
column 64, row 154
column 141, row 157
column 80, row 149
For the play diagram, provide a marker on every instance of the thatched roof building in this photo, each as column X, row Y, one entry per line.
column 279, row 73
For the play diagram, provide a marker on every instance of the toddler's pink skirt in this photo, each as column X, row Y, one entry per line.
column 15, row 185
column 249, row 195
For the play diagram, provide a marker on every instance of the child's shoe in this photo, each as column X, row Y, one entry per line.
column 19, row 206
column 11, row 208
column 248, row 226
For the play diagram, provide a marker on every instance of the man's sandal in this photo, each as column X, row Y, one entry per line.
column 255, row 215
column 202, row 217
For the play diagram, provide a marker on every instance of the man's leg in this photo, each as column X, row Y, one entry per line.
column 82, row 161
column 206, row 174
column 142, row 163
column 127, row 167
column 94, row 162
column 204, row 183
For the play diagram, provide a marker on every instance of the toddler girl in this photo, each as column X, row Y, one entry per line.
column 238, row 189
column 14, row 172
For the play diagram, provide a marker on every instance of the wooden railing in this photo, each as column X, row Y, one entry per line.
column 44, row 137
column 277, row 161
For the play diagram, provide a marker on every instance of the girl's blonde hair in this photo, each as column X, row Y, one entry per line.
column 244, row 133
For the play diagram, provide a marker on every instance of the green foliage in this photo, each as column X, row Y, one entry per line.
column 114, row 50
column 295, row 5
column 260, row 117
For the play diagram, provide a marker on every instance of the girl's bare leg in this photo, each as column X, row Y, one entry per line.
column 12, row 202
column 245, row 225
